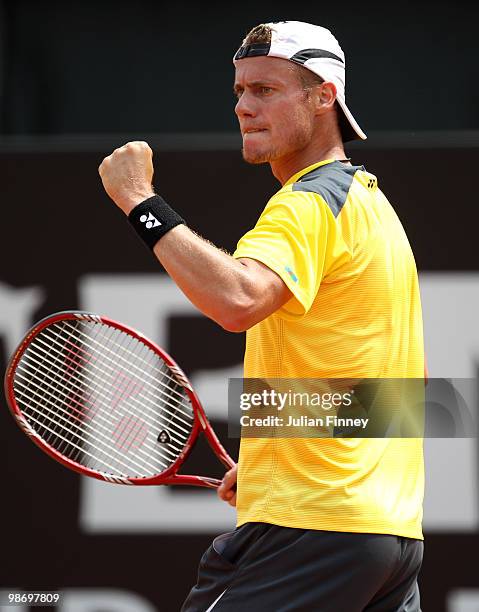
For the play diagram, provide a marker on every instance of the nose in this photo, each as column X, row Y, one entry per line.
column 245, row 106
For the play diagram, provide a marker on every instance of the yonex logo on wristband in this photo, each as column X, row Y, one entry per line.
column 150, row 221
column 153, row 218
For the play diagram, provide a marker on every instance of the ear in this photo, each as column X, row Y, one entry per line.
column 324, row 96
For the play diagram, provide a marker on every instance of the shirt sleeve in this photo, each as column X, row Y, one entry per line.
column 294, row 237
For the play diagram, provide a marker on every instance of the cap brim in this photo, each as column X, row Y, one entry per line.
column 350, row 129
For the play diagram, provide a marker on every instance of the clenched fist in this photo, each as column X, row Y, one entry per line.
column 127, row 175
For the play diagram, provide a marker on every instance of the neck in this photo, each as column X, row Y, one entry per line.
column 285, row 167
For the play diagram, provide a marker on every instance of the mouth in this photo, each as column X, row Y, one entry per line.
column 253, row 131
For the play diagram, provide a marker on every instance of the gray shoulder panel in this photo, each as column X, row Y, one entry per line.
column 332, row 182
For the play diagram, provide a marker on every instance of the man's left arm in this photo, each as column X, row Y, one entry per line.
column 236, row 293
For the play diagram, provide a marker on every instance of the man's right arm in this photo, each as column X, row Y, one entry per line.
column 236, row 293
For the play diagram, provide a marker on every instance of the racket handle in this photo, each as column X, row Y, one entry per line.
column 211, row 483
column 197, row 481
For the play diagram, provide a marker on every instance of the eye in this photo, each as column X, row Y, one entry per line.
column 265, row 90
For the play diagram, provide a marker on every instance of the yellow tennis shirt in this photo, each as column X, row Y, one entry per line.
column 334, row 239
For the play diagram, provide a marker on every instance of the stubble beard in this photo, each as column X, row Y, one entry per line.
column 260, row 157
column 296, row 142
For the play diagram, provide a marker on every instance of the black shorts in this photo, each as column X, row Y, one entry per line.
column 267, row 568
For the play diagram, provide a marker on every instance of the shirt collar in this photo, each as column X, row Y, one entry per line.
column 298, row 175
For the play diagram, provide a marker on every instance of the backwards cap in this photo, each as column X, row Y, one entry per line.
column 316, row 49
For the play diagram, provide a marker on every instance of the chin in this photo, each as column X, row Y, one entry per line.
column 256, row 156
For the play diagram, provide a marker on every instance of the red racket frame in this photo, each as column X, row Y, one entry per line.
column 201, row 423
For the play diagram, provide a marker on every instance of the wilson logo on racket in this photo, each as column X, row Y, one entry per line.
column 150, row 221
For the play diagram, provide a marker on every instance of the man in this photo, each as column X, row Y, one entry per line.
column 326, row 286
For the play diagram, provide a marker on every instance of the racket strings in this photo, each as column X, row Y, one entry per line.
column 105, row 385
column 160, row 371
column 179, row 397
column 153, row 398
column 63, row 418
column 64, row 438
column 137, row 365
column 80, row 373
column 79, row 411
column 71, row 443
column 108, row 371
column 75, row 381
column 67, row 385
column 66, row 425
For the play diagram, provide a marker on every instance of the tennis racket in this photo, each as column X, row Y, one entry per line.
column 105, row 401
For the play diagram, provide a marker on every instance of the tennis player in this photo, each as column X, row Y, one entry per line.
column 326, row 286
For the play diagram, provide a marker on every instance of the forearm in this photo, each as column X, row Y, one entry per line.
column 216, row 283
column 237, row 294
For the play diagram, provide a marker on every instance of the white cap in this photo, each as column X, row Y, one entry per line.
column 316, row 49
